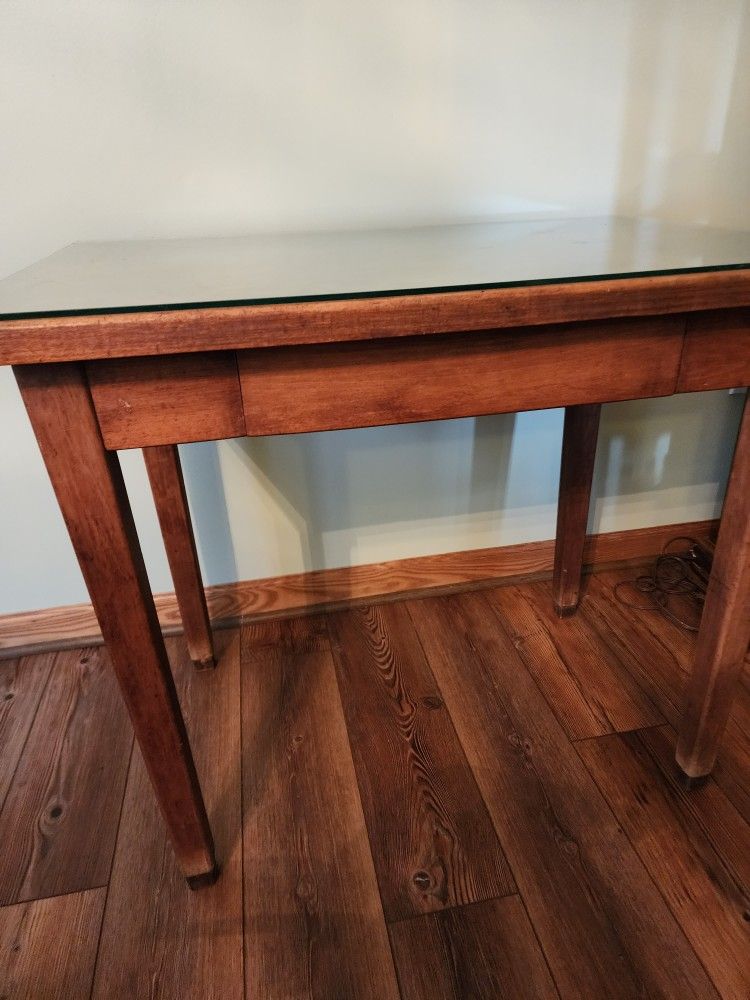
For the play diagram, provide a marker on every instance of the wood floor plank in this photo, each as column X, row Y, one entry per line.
column 480, row 952
column 731, row 771
column 708, row 900
column 707, row 806
column 22, row 682
column 588, row 688
column 605, row 929
column 642, row 649
column 660, row 655
column 159, row 939
column 59, row 821
column 432, row 840
column 314, row 923
column 48, row 946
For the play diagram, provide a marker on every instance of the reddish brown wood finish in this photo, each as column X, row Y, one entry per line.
column 156, row 401
column 480, row 952
column 602, row 923
column 50, row 844
column 22, row 682
column 346, row 586
column 313, row 919
column 725, row 625
column 165, row 475
column 717, row 351
column 444, row 852
column 158, row 940
column 580, row 432
column 660, row 655
column 172, row 377
column 435, row 378
column 702, row 884
column 184, row 331
column 91, row 493
column 583, row 679
column 48, row 947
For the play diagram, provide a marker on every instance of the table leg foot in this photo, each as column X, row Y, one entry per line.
column 691, row 782
column 90, row 490
column 202, row 881
column 168, row 487
column 566, row 610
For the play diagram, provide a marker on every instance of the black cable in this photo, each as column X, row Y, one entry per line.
column 676, row 576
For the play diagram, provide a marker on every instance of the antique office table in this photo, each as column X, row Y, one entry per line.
column 122, row 345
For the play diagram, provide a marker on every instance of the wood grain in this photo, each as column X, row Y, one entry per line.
column 76, row 338
column 589, row 904
column 716, row 354
column 104, row 538
column 479, row 952
column 653, row 654
column 604, row 927
column 322, row 589
column 586, row 685
column 660, row 656
column 48, row 947
column 432, row 840
column 708, row 899
column 313, row 921
column 313, row 388
column 22, row 682
column 580, row 433
column 730, row 771
column 159, row 939
column 168, row 487
column 60, row 818
column 725, row 623
column 163, row 400
column 706, row 808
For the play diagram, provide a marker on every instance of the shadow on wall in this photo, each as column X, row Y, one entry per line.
column 684, row 143
column 674, row 446
column 302, row 501
column 208, row 508
column 325, row 485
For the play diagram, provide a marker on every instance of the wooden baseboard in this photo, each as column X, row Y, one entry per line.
column 76, row 625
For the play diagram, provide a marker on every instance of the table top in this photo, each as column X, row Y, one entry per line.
column 120, row 277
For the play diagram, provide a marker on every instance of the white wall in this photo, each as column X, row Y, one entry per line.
column 135, row 119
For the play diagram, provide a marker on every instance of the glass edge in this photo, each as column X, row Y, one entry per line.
column 374, row 294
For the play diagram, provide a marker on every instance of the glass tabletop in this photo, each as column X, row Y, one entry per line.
column 86, row 278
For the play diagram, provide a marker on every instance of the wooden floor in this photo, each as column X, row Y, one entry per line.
column 450, row 797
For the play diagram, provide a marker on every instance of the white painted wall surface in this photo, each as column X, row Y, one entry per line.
column 133, row 120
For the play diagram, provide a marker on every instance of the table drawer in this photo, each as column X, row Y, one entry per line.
column 717, row 351
column 165, row 400
column 327, row 386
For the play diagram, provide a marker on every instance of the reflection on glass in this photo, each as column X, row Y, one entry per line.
column 111, row 277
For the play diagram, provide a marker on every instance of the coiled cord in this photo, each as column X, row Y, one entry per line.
column 678, row 580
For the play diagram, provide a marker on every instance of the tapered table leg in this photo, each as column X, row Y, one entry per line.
column 580, row 432
column 92, row 497
column 165, row 473
column 725, row 625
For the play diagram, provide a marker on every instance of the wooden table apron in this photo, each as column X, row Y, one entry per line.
column 95, row 384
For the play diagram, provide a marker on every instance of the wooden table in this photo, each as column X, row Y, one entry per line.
column 150, row 344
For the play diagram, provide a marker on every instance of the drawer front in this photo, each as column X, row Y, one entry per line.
column 323, row 387
column 165, row 400
column 717, row 351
